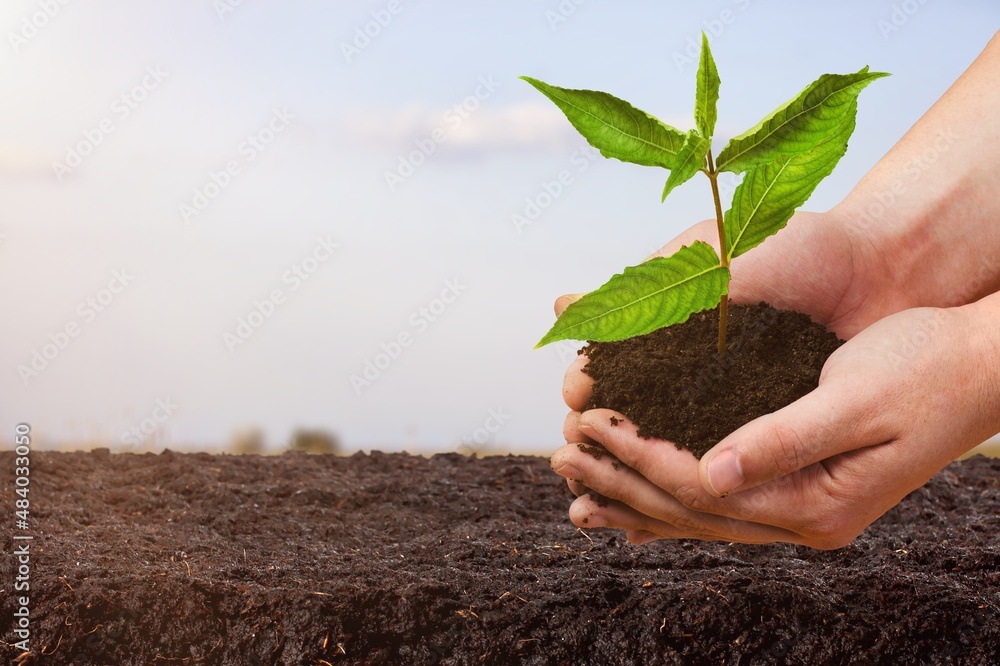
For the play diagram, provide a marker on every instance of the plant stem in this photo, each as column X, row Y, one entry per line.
column 713, row 177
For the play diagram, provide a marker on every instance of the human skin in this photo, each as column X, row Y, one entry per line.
column 906, row 269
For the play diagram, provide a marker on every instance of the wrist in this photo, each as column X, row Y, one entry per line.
column 933, row 243
column 984, row 335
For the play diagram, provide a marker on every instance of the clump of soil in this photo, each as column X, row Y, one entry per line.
column 199, row 560
column 674, row 385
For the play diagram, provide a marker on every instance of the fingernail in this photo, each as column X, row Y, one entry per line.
column 725, row 472
column 570, row 472
column 595, row 520
column 591, row 432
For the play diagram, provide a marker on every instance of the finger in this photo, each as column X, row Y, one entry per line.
column 588, row 511
column 837, row 417
column 594, row 511
column 608, row 477
column 565, row 301
column 786, row 504
column 659, row 461
column 571, row 429
column 576, row 487
column 577, row 385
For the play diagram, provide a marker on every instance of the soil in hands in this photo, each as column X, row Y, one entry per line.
column 674, row 385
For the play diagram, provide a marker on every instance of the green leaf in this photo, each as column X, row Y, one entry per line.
column 770, row 193
column 800, row 124
column 615, row 127
column 691, row 160
column 706, row 92
column 654, row 294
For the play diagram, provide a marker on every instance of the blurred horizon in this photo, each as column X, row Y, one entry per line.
column 224, row 218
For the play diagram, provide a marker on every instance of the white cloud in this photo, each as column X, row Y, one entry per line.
column 523, row 127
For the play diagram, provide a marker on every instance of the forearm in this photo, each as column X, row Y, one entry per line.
column 931, row 206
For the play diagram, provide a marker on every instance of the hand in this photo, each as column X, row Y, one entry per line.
column 819, row 265
column 894, row 405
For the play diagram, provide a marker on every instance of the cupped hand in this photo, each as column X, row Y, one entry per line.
column 894, row 405
column 820, row 458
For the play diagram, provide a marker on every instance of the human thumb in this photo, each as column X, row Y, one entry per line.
column 833, row 419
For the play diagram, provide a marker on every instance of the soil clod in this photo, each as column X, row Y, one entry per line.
column 674, row 385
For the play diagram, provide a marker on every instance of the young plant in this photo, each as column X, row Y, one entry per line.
column 782, row 160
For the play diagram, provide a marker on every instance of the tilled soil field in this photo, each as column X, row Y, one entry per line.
column 395, row 559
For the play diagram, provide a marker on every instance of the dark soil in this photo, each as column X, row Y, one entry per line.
column 674, row 385
column 392, row 559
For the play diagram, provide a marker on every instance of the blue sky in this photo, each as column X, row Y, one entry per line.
column 327, row 128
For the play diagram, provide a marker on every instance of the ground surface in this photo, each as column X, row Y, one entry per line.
column 392, row 559
column 674, row 385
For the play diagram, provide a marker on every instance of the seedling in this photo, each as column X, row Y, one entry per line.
column 782, row 160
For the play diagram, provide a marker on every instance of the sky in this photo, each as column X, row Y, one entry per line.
column 221, row 216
